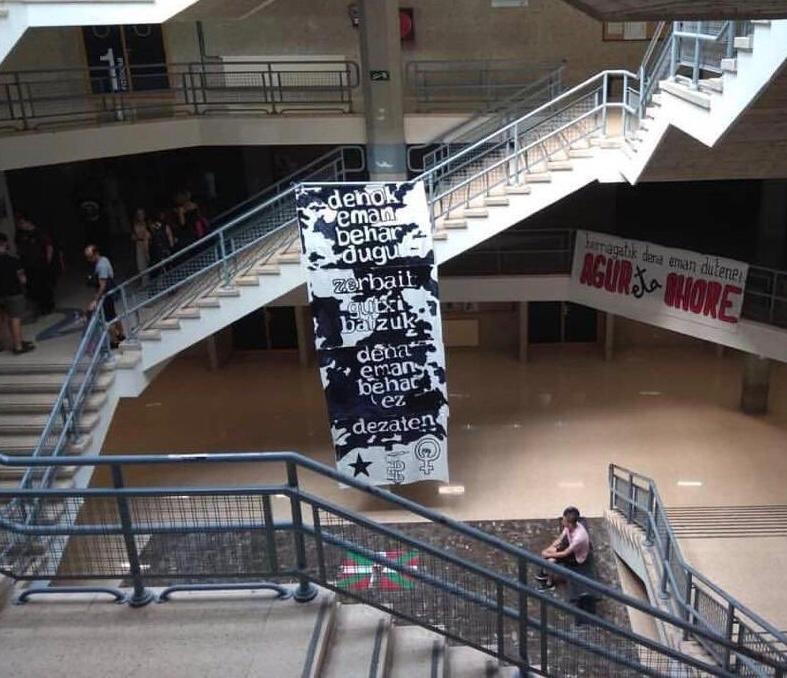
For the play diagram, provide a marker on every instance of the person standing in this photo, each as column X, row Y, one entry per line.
column 104, row 280
column 162, row 241
column 140, row 235
column 12, row 300
column 36, row 253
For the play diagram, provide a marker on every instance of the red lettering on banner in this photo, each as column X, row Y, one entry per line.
column 700, row 297
column 598, row 271
column 586, row 278
column 626, row 274
column 712, row 300
column 726, row 303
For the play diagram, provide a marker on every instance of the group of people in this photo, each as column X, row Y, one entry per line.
column 167, row 232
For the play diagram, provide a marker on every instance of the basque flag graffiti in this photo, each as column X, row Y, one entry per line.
column 372, row 281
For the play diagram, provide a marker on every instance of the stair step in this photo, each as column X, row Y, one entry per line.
column 208, row 302
column 187, row 313
column 474, row 213
column 538, row 178
column 744, row 42
column 761, row 22
column 224, row 292
column 25, row 444
column 266, row 269
column 693, row 96
column 466, row 662
column 47, row 383
column 440, row 235
column 559, row 165
column 417, row 653
column 712, row 85
column 729, row 65
column 289, row 258
column 495, row 201
column 150, row 335
column 167, row 324
column 247, row 281
column 33, row 424
column 453, row 223
column 14, row 473
column 42, row 403
column 127, row 360
column 522, row 189
column 17, row 366
column 580, row 153
column 360, row 643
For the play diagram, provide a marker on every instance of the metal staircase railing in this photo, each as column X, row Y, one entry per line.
column 487, row 120
column 699, row 601
column 506, row 156
column 435, row 573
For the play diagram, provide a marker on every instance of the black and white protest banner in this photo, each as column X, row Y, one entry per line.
column 372, row 280
column 644, row 281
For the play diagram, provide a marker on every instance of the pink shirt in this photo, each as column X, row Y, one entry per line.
column 578, row 542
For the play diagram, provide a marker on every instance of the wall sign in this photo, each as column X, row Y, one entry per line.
column 372, row 283
column 642, row 280
column 380, row 76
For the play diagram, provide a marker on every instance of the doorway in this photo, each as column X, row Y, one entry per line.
column 266, row 328
column 561, row 322
column 126, row 58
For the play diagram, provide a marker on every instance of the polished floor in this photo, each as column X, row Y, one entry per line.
column 525, row 440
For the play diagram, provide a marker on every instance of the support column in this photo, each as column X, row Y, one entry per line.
column 756, row 384
column 609, row 337
column 219, row 348
column 772, row 225
column 381, row 59
column 305, row 331
column 524, row 308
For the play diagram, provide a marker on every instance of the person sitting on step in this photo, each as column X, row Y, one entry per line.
column 571, row 549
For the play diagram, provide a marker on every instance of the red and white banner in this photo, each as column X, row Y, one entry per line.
column 644, row 281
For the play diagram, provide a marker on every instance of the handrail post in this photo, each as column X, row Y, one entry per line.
column 305, row 591
column 630, row 511
column 604, row 98
column 651, row 516
column 641, row 107
column 225, row 273
column 543, row 626
column 523, row 656
column 141, row 595
column 689, row 609
column 673, row 67
column 730, row 39
column 695, row 72
column 728, row 635
column 664, row 593
column 612, row 487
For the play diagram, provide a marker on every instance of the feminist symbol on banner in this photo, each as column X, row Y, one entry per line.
column 357, row 573
column 427, row 451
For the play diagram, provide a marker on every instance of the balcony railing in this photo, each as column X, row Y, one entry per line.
column 261, row 535
column 47, row 99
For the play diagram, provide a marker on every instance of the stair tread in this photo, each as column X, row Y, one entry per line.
column 358, row 629
column 467, row 662
column 416, row 652
column 36, row 422
column 37, row 383
column 12, row 443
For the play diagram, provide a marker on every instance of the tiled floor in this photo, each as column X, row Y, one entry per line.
column 525, row 439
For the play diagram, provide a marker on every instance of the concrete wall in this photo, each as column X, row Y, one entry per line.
column 545, row 31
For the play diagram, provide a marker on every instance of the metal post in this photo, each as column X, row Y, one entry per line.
column 612, row 487
column 651, row 516
column 728, row 635
column 630, row 512
column 318, row 543
column 430, row 199
column 665, row 570
column 141, row 595
column 543, row 636
column 604, row 97
column 501, row 631
column 22, row 107
column 523, row 656
column 305, row 591
column 270, row 534
column 689, row 613
column 731, row 30
column 695, row 73
column 225, row 273
column 673, row 67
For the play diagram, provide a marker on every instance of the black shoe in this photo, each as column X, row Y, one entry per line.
column 26, row 348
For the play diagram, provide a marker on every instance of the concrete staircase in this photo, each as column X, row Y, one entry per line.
column 258, row 636
column 28, row 392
